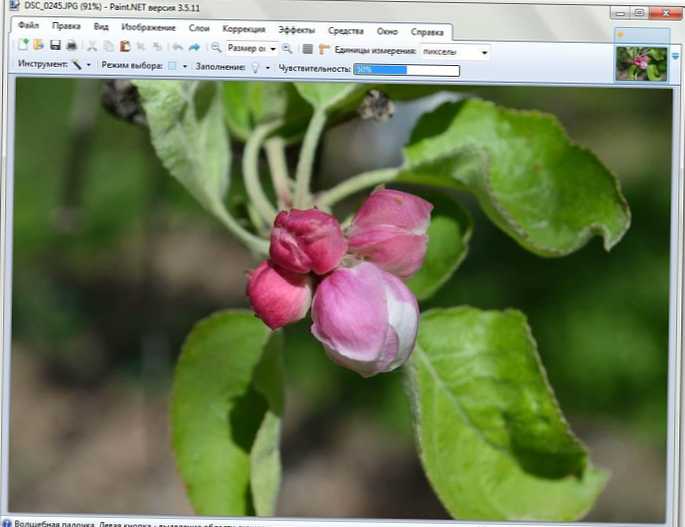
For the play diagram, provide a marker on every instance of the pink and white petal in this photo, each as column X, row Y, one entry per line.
column 392, row 248
column 403, row 317
column 393, row 207
column 349, row 312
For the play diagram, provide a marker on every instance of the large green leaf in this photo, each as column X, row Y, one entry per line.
column 549, row 194
column 492, row 439
column 191, row 141
column 448, row 237
column 225, row 413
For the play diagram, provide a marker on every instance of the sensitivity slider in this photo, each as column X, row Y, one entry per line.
column 415, row 70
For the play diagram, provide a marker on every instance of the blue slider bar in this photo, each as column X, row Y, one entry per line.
column 380, row 69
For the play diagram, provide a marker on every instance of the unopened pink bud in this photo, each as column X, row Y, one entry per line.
column 641, row 61
column 279, row 297
column 307, row 240
column 390, row 230
column 366, row 319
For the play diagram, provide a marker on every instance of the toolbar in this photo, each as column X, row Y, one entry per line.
column 256, row 49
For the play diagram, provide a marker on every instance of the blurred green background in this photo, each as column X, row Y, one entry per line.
column 114, row 262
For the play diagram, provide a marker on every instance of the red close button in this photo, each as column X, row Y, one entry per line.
column 665, row 13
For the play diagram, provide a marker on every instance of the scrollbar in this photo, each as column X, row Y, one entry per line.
column 410, row 70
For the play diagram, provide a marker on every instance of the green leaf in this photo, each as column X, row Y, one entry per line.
column 237, row 110
column 192, row 145
column 250, row 104
column 448, row 237
column 265, row 466
column 657, row 53
column 265, row 456
column 332, row 96
column 187, row 130
column 633, row 72
column 225, row 412
column 653, row 73
column 549, row 194
column 492, row 439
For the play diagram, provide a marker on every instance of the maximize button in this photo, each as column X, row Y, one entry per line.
column 639, row 13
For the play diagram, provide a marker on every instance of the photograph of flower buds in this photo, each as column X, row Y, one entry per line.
column 641, row 64
column 341, row 300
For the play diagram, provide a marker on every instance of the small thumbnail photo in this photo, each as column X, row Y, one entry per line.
column 635, row 63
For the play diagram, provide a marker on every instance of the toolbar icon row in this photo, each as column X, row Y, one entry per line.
column 231, row 48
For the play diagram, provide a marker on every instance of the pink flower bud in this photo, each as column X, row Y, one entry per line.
column 641, row 61
column 307, row 240
column 279, row 297
column 366, row 319
column 390, row 230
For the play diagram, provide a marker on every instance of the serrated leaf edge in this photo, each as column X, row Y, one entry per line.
column 584, row 235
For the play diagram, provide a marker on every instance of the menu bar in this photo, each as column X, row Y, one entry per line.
column 239, row 29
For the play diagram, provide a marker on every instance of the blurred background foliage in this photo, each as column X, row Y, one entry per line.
column 114, row 262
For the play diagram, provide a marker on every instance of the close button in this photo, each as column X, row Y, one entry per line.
column 665, row 13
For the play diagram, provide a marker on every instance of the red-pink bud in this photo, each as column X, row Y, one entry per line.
column 366, row 319
column 307, row 240
column 279, row 297
column 390, row 230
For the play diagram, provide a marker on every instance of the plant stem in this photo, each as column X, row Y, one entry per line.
column 305, row 165
column 254, row 243
column 355, row 184
column 255, row 218
column 278, row 166
column 251, row 171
